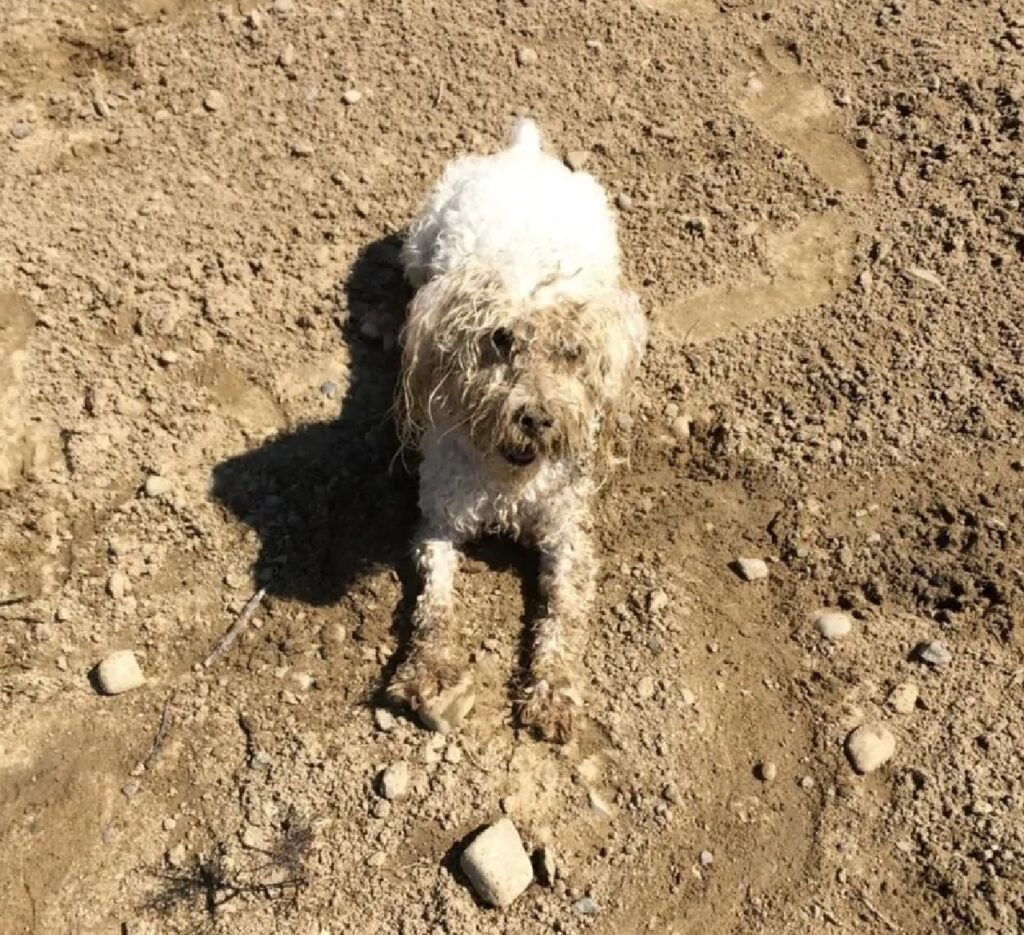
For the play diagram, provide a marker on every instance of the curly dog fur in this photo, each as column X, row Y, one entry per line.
column 518, row 352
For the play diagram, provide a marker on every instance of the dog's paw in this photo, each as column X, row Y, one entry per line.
column 550, row 712
column 436, row 691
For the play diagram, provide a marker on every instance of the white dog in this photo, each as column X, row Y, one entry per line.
column 517, row 354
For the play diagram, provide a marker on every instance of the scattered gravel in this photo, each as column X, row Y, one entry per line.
column 869, row 746
column 497, row 864
column 119, row 672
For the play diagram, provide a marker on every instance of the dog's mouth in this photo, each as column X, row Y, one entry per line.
column 519, row 456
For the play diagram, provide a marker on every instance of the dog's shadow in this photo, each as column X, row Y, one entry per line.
column 329, row 501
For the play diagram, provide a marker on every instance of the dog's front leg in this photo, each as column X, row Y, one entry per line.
column 429, row 679
column 567, row 586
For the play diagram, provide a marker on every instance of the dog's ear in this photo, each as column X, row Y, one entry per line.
column 443, row 313
column 624, row 342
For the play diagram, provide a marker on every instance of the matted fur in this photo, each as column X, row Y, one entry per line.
column 517, row 354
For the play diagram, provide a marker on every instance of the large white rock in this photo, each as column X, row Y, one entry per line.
column 869, row 746
column 752, row 569
column 119, row 672
column 497, row 864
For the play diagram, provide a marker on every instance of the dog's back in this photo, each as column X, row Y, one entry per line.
column 523, row 215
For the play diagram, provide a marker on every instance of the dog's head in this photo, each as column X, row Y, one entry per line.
column 525, row 380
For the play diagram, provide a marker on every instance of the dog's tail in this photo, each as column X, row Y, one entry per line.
column 526, row 136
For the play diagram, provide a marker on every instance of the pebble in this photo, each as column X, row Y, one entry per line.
column 119, row 672
column 706, row 858
column 384, row 720
column 287, row 57
column 767, row 771
column 527, row 57
column 170, row 824
column 497, row 864
column 832, row 625
column 657, row 601
column 924, row 275
column 352, row 96
column 577, row 159
column 903, row 698
column 21, row 129
column 329, row 388
column 394, row 781
column 177, row 855
column 933, row 654
column 118, row 586
column 688, row 698
column 167, row 358
column 284, row 7
column 131, row 788
column 624, row 202
column 587, row 907
column 157, row 486
column 213, row 101
column 302, row 148
column 869, row 746
column 547, row 866
column 752, row 569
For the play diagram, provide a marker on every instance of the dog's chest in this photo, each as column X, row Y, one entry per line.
column 457, row 492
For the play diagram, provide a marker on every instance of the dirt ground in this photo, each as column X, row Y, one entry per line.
column 821, row 205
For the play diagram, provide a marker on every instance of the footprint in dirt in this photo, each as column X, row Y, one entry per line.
column 812, row 263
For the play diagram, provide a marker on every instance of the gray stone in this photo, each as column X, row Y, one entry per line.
column 119, row 672
column 752, row 569
column 586, row 907
column 869, row 746
column 21, row 129
column 903, row 698
column 497, row 864
column 394, row 781
column 832, row 624
column 934, row 654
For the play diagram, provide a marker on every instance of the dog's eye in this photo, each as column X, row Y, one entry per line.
column 502, row 340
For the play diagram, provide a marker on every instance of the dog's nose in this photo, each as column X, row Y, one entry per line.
column 534, row 421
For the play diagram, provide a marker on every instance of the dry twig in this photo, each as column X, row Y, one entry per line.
column 241, row 622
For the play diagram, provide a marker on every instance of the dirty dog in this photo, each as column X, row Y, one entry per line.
column 518, row 352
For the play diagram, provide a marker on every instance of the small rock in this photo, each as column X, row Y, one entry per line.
column 394, row 781
column 586, row 907
column 903, row 698
column 213, row 101
column 329, row 388
column 118, row 586
column 577, row 159
column 807, row 782
column 21, row 130
column 527, row 57
column 303, row 681
column 547, row 866
column 624, row 202
column 924, row 275
column 384, row 719
column 657, row 601
column 131, row 788
column 170, row 824
column 645, row 688
column 497, row 864
column 101, row 107
column 598, row 804
column 287, row 57
column 119, row 672
column 284, row 7
column 751, row 569
column 177, row 855
column 832, row 625
column 688, row 698
column 254, row 19
column 766, row 771
column 352, row 96
column 157, row 486
column 302, row 148
column 934, row 654
column 167, row 358
column 869, row 746
column 706, row 858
